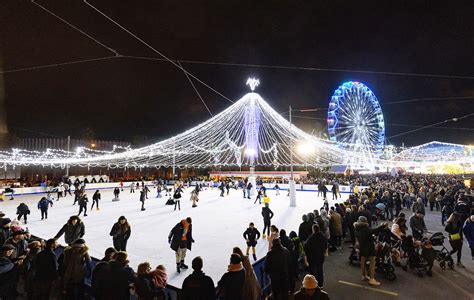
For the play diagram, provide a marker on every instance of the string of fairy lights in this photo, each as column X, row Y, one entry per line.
column 248, row 133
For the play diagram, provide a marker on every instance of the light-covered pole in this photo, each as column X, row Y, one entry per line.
column 292, row 180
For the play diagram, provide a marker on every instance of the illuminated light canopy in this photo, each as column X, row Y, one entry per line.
column 248, row 133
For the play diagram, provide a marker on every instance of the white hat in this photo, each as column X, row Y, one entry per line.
column 310, row 282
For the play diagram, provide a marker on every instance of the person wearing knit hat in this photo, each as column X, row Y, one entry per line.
column 310, row 290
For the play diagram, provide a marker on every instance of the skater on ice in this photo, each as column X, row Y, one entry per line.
column 194, row 198
column 120, row 234
column 43, row 205
column 251, row 235
column 132, row 188
column 23, row 211
column 95, row 199
column 83, row 204
column 142, row 199
column 267, row 215
column 74, row 229
column 180, row 240
column 116, row 194
column 177, row 198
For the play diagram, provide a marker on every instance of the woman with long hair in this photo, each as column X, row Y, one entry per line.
column 454, row 228
column 121, row 233
column 252, row 288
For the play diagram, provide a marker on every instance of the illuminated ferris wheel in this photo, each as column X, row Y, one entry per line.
column 355, row 119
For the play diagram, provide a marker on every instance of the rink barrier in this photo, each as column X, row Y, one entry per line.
column 343, row 189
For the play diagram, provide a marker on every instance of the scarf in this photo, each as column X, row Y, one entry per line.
column 235, row 267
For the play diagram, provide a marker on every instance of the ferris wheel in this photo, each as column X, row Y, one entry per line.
column 355, row 119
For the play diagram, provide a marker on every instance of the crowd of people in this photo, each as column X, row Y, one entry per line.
column 31, row 266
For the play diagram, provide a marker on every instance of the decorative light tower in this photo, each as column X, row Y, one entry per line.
column 251, row 127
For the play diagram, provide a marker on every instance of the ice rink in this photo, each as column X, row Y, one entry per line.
column 218, row 224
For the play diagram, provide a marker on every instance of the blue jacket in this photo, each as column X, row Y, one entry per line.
column 468, row 230
column 43, row 203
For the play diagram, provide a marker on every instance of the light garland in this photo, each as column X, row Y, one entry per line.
column 248, row 133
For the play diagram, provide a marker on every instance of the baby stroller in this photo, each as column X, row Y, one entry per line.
column 412, row 254
column 442, row 255
column 383, row 259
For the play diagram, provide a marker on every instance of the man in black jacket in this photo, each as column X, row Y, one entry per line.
column 277, row 266
column 315, row 249
column 46, row 270
column 198, row 286
column 267, row 215
column 305, row 228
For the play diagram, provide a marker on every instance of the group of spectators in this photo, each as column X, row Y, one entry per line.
column 32, row 266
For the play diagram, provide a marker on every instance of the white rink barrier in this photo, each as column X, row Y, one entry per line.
column 126, row 186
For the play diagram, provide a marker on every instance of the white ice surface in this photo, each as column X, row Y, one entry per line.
column 218, row 224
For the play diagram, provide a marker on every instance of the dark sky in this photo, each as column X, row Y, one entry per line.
column 124, row 97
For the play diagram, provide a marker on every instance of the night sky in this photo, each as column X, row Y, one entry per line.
column 120, row 98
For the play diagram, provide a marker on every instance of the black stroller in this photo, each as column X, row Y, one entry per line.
column 383, row 260
column 442, row 255
column 414, row 256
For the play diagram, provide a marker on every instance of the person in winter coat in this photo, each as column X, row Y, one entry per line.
column 310, row 290
column 95, row 199
column 46, row 264
column 177, row 198
column 249, row 189
column 142, row 199
column 251, row 235
column 74, row 229
column 454, row 228
column 335, row 228
column 315, row 250
column 277, row 266
column 43, row 205
column 365, row 237
column 5, row 231
column 274, row 234
column 231, row 285
column 252, row 288
column 100, row 274
column 194, row 197
column 121, row 233
column 75, row 261
column 198, row 286
column 18, row 241
column 418, row 206
column 305, row 229
column 83, row 200
column 119, row 278
column 468, row 231
column 143, row 284
column 9, row 274
column 23, row 211
column 267, row 215
column 288, row 244
column 417, row 225
column 29, row 267
column 116, row 194
column 180, row 240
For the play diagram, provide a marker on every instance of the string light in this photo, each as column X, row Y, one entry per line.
column 248, row 133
